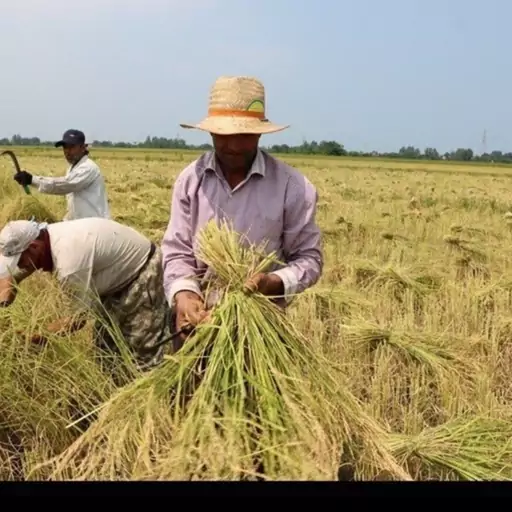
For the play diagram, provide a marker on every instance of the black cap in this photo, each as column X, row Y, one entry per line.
column 71, row 137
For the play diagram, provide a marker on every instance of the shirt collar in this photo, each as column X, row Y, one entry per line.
column 81, row 161
column 258, row 166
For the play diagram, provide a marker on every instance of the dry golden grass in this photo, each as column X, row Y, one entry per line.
column 414, row 305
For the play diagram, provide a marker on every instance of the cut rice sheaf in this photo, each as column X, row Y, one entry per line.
column 247, row 395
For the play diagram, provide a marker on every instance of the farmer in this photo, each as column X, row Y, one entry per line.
column 83, row 183
column 264, row 198
column 105, row 267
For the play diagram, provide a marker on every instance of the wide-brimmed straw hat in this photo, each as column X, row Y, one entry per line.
column 237, row 105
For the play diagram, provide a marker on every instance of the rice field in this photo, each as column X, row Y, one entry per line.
column 414, row 311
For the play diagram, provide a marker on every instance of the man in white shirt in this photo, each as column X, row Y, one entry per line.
column 105, row 267
column 83, row 183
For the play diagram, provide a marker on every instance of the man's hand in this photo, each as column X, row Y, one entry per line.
column 190, row 311
column 35, row 339
column 38, row 339
column 24, row 178
column 7, row 292
column 266, row 284
column 66, row 325
column 59, row 327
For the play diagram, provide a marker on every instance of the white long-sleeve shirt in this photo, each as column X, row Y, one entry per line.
column 84, row 187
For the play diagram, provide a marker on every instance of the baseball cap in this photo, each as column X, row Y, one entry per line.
column 71, row 137
column 15, row 238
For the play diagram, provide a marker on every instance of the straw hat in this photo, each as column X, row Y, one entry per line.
column 237, row 105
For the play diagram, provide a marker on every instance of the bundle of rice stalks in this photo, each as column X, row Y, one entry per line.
column 24, row 207
column 428, row 373
column 469, row 268
column 434, row 352
column 246, row 395
column 483, row 233
column 467, row 247
column 396, row 280
column 333, row 303
column 475, row 449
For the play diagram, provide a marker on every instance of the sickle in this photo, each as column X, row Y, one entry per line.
column 8, row 152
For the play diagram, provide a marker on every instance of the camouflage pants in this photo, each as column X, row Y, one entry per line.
column 141, row 315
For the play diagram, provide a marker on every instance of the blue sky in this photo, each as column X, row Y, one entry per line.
column 372, row 74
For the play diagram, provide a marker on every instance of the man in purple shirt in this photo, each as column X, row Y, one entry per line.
column 264, row 198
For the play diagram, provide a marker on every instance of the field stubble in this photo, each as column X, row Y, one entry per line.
column 414, row 306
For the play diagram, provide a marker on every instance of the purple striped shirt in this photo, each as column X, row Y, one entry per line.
column 274, row 204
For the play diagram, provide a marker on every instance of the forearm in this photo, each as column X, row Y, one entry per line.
column 181, row 285
column 53, row 186
column 180, row 277
column 180, row 267
column 301, row 273
column 7, row 292
column 180, row 272
column 62, row 185
column 9, row 286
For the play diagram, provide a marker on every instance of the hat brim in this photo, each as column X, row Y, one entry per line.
column 62, row 143
column 226, row 125
column 8, row 265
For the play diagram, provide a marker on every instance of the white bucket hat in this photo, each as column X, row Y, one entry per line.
column 237, row 106
column 15, row 238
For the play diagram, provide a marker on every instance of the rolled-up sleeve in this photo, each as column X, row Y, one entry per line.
column 178, row 259
column 301, row 239
column 78, row 179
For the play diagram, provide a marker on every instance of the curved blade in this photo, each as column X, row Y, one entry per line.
column 10, row 153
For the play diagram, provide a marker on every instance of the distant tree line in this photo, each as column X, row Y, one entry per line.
column 324, row 147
